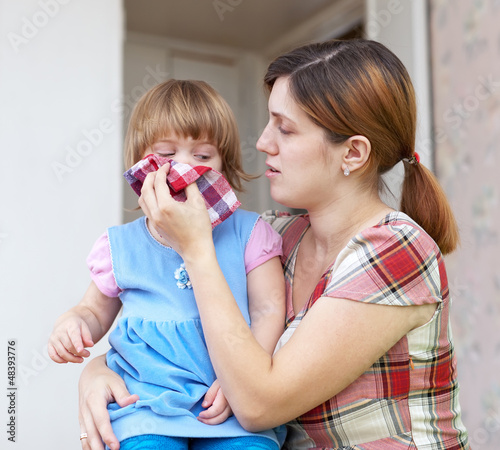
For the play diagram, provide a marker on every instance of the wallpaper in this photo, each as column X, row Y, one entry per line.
column 465, row 57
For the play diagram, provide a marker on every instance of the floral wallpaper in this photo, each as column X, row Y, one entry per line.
column 465, row 57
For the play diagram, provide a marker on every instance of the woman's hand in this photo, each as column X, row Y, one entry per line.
column 186, row 226
column 99, row 386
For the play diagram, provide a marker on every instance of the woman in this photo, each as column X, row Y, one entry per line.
column 367, row 359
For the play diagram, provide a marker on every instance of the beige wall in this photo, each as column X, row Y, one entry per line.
column 465, row 43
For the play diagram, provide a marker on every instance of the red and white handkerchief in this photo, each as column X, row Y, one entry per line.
column 220, row 199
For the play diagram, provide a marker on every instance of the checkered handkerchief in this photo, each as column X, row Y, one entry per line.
column 219, row 198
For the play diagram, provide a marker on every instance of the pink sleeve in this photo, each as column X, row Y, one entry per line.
column 101, row 268
column 264, row 244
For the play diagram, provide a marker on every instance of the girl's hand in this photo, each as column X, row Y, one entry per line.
column 99, row 386
column 218, row 409
column 186, row 226
column 69, row 338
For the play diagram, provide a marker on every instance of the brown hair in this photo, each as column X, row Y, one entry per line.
column 359, row 87
column 187, row 108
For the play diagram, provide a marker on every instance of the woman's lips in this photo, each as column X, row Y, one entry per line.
column 271, row 172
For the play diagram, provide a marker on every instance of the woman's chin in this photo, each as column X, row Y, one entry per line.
column 284, row 200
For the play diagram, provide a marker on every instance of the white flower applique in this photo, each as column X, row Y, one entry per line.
column 182, row 278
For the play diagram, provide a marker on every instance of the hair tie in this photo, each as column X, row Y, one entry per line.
column 415, row 159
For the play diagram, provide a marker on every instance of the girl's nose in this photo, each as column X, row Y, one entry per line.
column 180, row 157
column 182, row 160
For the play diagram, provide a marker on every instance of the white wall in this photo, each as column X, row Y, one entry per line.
column 60, row 144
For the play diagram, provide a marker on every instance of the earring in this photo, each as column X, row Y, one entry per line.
column 347, row 171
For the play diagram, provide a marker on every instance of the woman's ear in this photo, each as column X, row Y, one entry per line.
column 357, row 152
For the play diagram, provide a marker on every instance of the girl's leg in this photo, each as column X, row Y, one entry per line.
column 154, row 442
column 239, row 443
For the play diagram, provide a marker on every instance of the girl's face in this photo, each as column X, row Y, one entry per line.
column 303, row 165
column 196, row 152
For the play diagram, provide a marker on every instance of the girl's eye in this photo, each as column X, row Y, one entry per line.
column 166, row 154
column 283, row 131
column 203, row 157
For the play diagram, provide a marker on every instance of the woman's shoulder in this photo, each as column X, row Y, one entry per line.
column 394, row 262
column 398, row 227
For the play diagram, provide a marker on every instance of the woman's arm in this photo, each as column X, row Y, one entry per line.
column 266, row 302
column 99, row 386
column 336, row 342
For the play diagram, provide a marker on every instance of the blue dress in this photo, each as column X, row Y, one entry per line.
column 158, row 346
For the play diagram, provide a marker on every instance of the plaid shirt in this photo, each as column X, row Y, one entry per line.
column 409, row 398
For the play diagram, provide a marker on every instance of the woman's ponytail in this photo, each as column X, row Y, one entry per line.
column 423, row 199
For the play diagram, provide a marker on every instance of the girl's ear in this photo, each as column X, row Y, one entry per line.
column 357, row 152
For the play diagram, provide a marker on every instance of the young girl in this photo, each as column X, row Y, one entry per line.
column 158, row 346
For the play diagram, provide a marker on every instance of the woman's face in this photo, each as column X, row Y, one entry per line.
column 302, row 163
column 196, row 152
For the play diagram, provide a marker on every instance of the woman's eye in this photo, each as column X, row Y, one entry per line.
column 283, row 131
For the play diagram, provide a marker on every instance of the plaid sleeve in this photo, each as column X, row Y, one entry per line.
column 396, row 264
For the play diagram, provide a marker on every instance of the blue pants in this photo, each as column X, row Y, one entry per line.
column 157, row 442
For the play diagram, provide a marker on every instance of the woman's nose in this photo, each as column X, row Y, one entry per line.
column 264, row 144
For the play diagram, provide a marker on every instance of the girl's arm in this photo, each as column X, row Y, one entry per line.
column 336, row 342
column 266, row 302
column 82, row 326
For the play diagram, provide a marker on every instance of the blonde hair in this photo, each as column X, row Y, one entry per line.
column 359, row 87
column 187, row 108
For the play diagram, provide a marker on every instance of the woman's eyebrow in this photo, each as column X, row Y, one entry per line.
column 281, row 116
